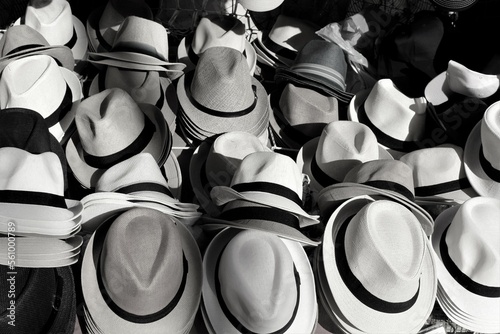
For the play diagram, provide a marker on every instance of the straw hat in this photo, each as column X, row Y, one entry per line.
column 154, row 288
column 455, row 5
column 260, row 5
column 270, row 291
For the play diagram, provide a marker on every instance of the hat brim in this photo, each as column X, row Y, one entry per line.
column 360, row 315
column 180, row 318
column 478, row 178
column 134, row 61
column 62, row 54
column 307, row 310
column 437, row 91
column 483, row 309
column 271, row 56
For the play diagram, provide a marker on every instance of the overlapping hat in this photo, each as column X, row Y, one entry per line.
column 439, row 174
column 58, row 25
column 22, row 41
column 320, row 65
column 215, row 161
column 379, row 268
column 216, row 30
column 261, row 5
column 154, row 288
column 220, row 95
column 398, row 121
column 270, row 179
column 51, row 90
column 270, row 291
column 299, row 114
column 465, row 243
column 112, row 127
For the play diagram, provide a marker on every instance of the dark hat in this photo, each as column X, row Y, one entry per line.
column 455, row 5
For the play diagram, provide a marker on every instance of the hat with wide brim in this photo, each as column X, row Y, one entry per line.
column 103, row 315
column 412, row 315
column 306, row 314
column 455, row 5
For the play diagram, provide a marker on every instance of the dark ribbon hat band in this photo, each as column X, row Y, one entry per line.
column 143, row 51
column 62, row 110
column 32, row 198
column 262, row 213
column 232, row 319
column 145, row 186
column 257, row 44
column 279, row 50
column 357, row 288
column 490, row 171
column 461, row 278
column 391, row 186
column 320, row 176
column 72, row 41
column 102, row 41
column 442, row 188
column 271, row 188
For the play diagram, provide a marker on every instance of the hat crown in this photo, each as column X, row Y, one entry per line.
column 221, row 80
column 54, row 21
column 490, row 134
column 257, row 279
column 292, row 33
column 19, row 36
column 467, row 82
column 143, row 86
column 323, row 54
column 142, row 280
column 218, row 30
column 472, row 240
column 384, row 239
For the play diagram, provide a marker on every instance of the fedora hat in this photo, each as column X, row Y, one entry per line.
column 455, row 5
column 32, row 195
column 103, row 22
column 481, row 155
column 267, row 178
column 215, row 161
column 464, row 234
column 216, row 30
column 112, row 127
column 153, row 289
column 398, row 121
column 45, row 300
column 341, row 146
column 320, row 65
column 143, row 86
column 379, row 266
column 45, row 87
column 439, row 174
column 299, row 114
column 220, row 95
column 391, row 179
column 58, row 25
column 278, row 293
column 22, row 41
column 260, row 5
column 139, row 44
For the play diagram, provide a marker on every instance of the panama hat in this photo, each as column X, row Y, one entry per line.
column 45, row 300
column 464, row 234
column 391, row 179
column 22, row 41
column 260, row 5
column 112, row 127
column 438, row 173
column 455, row 5
column 220, row 95
column 143, row 86
column 299, row 114
column 103, row 22
column 481, row 155
column 215, row 160
column 215, row 30
column 379, row 267
column 45, row 87
column 401, row 126
column 139, row 44
column 32, row 195
column 155, row 288
column 279, row 294
column 267, row 178
column 58, row 25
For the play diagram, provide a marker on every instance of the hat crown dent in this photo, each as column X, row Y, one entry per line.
column 490, row 135
column 384, row 239
column 467, row 82
column 257, row 281
column 218, row 30
column 20, row 35
column 54, row 21
column 472, row 240
column 141, row 261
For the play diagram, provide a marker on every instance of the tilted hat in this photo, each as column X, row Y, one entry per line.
column 379, row 267
column 270, row 291
column 154, row 288
column 455, row 5
column 22, row 41
column 39, row 84
column 112, row 127
column 267, row 178
column 439, row 174
column 481, row 154
column 299, row 114
column 58, row 25
column 216, row 30
column 465, row 242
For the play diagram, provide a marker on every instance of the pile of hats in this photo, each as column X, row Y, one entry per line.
column 167, row 187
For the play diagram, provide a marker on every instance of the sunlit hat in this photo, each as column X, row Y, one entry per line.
column 260, row 5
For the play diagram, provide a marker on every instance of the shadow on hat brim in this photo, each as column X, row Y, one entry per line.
column 307, row 311
column 360, row 315
column 437, row 91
